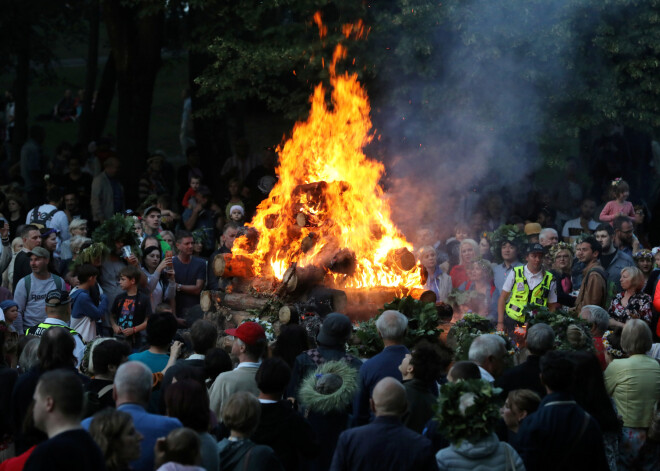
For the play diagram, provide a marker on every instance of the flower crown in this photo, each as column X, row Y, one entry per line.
column 615, row 352
column 616, row 181
column 644, row 254
column 555, row 249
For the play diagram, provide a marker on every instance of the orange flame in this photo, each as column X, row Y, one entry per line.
column 328, row 196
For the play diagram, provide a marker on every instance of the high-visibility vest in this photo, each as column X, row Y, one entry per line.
column 40, row 330
column 521, row 295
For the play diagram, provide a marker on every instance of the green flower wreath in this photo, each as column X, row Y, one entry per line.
column 338, row 400
column 118, row 228
column 92, row 254
column 467, row 410
column 463, row 333
column 511, row 234
column 559, row 320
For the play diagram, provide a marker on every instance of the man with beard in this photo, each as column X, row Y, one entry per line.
column 593, row 290
column 623, row 229
column 611, row 259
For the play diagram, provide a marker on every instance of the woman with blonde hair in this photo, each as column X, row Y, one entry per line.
column 468, row 252
column 433, row 278
column 562, row 255
column 114, row 433
column 8, row 275
column 518, row 405
column 630, row 303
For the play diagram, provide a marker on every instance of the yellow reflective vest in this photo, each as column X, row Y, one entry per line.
column 521, row 295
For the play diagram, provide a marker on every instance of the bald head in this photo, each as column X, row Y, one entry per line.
column 132, row 383
column 389, row 398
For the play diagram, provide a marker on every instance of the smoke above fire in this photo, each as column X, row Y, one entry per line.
column 472, row 127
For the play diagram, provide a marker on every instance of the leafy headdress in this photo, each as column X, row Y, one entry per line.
column 506, row 233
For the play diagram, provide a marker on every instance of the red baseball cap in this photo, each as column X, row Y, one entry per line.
column 248, row 332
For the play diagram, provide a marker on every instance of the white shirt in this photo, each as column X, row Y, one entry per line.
column 486, row 376
column 59, row 222
column 533, row 280
column 575, row 224
column 79, row 350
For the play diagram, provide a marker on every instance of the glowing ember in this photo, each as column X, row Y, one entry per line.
column 327, row 209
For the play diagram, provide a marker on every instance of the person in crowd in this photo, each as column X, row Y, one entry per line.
column 433, row 278
column 644, row 261
column 385, row 443
column 132, row 389
column 31, row 239
column 151, row 219
column 533, row 231
column 593, row 289
column 249, row 347
column 392, row 326
column 548, row 237
column 72, row 207
column 420, row 371
column 201, row 216
column 611, row 259
column 179, row 451
column 507, row 251
column 216, row 362
column 16, row 213
column 584, row 224
column 189, row 276
column 106, row 356
column 50, row 216
column 9, row 309
column 33, row 164
column 119, row 441
column 107, row 196
column 612, row 345
column 31, row 290
column 634, row 384
column 488, row 351
column 540, row 339
column 480, row 280
column 598, row 320
column 87, row 312
column 194, row 181
column 77, row 227
column 161, row 329
column 49, row 242
column 160, row 279
column 619, row 206
column 188, row 401
column 292, row 341
column 485, row 246
column 469, row 251
column 562, row 255
column 475, row 446
column 528, row 284
column 8, row 376
column 560, row 434
column 58, row 314
column 229, row 233
column 8, row 274
column 132, row 309
column 234, row 188
column 77, row 183
column 624, row 236
column 152, row 181
column 452, row 245
column 331, row 341
column 519, row 404
column 590, row 394
column 241, row 414
column 58, row 404
column 281, row 427
column 631, row 302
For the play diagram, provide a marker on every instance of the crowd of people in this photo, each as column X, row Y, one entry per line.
column 108, row 362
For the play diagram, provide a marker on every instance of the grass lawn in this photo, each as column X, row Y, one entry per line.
column 166, row 109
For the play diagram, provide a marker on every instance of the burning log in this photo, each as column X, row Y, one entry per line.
column 209, row 301
column 320, row 300
column 298, row 279
column 362, row 312
column 308, row 242
column 228, row 266
column 243, row 301
column 344, row 262
column 401, row 258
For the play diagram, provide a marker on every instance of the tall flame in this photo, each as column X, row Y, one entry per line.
column 328, row 196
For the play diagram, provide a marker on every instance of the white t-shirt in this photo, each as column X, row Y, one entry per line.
column 533, row 280
column 32, row 311
column 576, row 226
column 59, row 222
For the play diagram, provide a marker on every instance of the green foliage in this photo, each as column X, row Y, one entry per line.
column 471, row 326
column 506, row 233
column 560, row 321
column 423, row 319
column 118, row 228
column 467, row 410
column 369, row 339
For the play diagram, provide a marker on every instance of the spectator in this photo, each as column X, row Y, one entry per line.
column 584, row 224
column 16, row 216
column 519, row 404
column 33, row 164
column 77, row 227
column 132, row 388
column 190, row 276
column 598, row 320
column 593, row 289
column 249, row 346
column 161, row 329
column 540, row 340
column 480, row 280
column 131, row 309
column 560, row 434
column 179, row 451
column 160, row 277
column 50, row 216
column 463, row 370
column 280, row 427
column 291, row 342
column 631, row 302
column 106, row 356
column 469, row 251
column 548, row 237
column 241, row 414
column 58, row 403
column 488, row 351
column 611, row 259
column 644, row 261
column 505, row 252
column 107, row 192
column 119, row 441
column 634, row 384
column 624, row 236
column 384, row 444
column 227, row 238
column 201, row 217
column 31, row 239
column 392, row 326
column 87, row 312
column 474, row 446
column 31, row 290
column 562, row 263
column 151, row 218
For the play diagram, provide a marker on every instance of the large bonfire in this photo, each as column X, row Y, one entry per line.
column 327, row 211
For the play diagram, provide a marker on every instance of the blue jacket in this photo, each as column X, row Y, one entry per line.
column 385, row 364
column 383, row 445
column 151, row 427
column 84, row 306
column 548, row 438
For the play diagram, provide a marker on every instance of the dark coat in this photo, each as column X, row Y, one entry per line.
column 420, row 404
column 523, row 376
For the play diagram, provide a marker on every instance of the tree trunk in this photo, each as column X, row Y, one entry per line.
column 21, row 90
column 136, row 37
column 86, row 117
column 104, row 98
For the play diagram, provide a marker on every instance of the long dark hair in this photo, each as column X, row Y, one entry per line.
column 589, row 390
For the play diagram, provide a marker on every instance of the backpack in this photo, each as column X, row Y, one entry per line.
column 35, row 219
column 59, row 284
column 93, row 400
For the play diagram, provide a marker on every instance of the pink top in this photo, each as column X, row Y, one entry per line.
column 613, row 208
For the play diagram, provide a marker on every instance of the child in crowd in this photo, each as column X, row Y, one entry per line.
column 179, row 451
column 619, row 206
column 189, row 197
column 237, row 213
column 131, row 309
column 89, row 306
column 234, row 188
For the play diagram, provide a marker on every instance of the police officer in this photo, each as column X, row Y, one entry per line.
column 58, row 314
column 528, row 284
